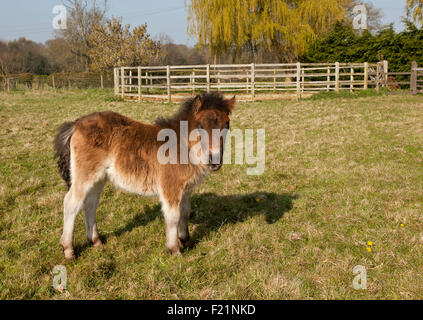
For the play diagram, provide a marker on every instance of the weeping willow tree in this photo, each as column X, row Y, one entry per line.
column 284, row 27
column 415, row 10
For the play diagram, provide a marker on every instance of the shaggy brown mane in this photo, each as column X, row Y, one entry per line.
column 209, row 100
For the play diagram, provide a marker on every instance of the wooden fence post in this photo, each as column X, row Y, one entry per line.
column 298, row 79
column 139, row 85
column 352, row 79
column 247, row 79
column 366, row 75
column 208, row 77
column 8, row 84
column 328, row 79
column 193, row 82
column 122, row 84
column 101, row 82
column 117, row 81
column 146, row 82
column 413, row 78
column 40, row 84
column 337, row 76
column 378, row 78
column 385, row 73
column 169, row 98
column 53, row 83
column 274, row 79
column 253, row 79
column 115, row 86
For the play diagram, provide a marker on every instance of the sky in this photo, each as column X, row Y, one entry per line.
column 33, row 19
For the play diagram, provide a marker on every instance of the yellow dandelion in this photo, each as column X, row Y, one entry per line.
column 369, row 249
column 402, row 225
column 369, row 243
column 324, row 261
column 257, row 199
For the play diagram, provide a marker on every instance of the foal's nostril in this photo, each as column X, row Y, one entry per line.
column 215, row 159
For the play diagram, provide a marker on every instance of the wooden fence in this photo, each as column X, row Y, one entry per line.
column 416, row 82
column 81, row 80
column 248, row 81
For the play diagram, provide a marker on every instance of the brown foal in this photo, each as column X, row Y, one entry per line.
column 107, row 146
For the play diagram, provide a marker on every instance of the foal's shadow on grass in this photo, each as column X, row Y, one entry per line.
column 210, row 211
column 149, row 214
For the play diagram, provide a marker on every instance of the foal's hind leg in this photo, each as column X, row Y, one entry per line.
column 73, row 203
column 90, row 208
column 185, row 210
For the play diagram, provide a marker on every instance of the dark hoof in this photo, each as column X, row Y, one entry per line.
column 174, row 251
column 187, row 243
column 97, row 243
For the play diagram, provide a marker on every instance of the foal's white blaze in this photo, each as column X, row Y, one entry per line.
column 217, row 145
column 199, row 152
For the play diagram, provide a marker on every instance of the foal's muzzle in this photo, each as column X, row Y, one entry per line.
column 215, row 162
column 215, row 167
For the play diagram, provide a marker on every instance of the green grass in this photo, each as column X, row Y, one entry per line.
column 355, row 94
column 339, row 172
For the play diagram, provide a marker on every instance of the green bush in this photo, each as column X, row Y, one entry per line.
column 343, row 44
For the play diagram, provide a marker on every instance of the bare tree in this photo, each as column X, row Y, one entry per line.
column 83, row 15
column 62, row 58
column 3, row 53
column 178, row 54
column 125, row 46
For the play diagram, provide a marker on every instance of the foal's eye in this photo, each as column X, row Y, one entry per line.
column 227, row 125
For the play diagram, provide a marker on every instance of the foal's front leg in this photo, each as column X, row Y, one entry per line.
column 171, row 212
column 185, row 209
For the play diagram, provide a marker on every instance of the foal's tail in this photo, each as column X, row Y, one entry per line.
column 62, row 148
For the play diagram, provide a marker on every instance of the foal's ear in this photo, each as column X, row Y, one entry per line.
column 231, row 103
column 197, row 104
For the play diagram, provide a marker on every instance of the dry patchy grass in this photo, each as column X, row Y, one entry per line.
column 339, row 172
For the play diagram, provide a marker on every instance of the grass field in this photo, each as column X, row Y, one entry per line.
column 339, row 172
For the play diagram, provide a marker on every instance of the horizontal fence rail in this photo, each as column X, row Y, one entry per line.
column 251, row 80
